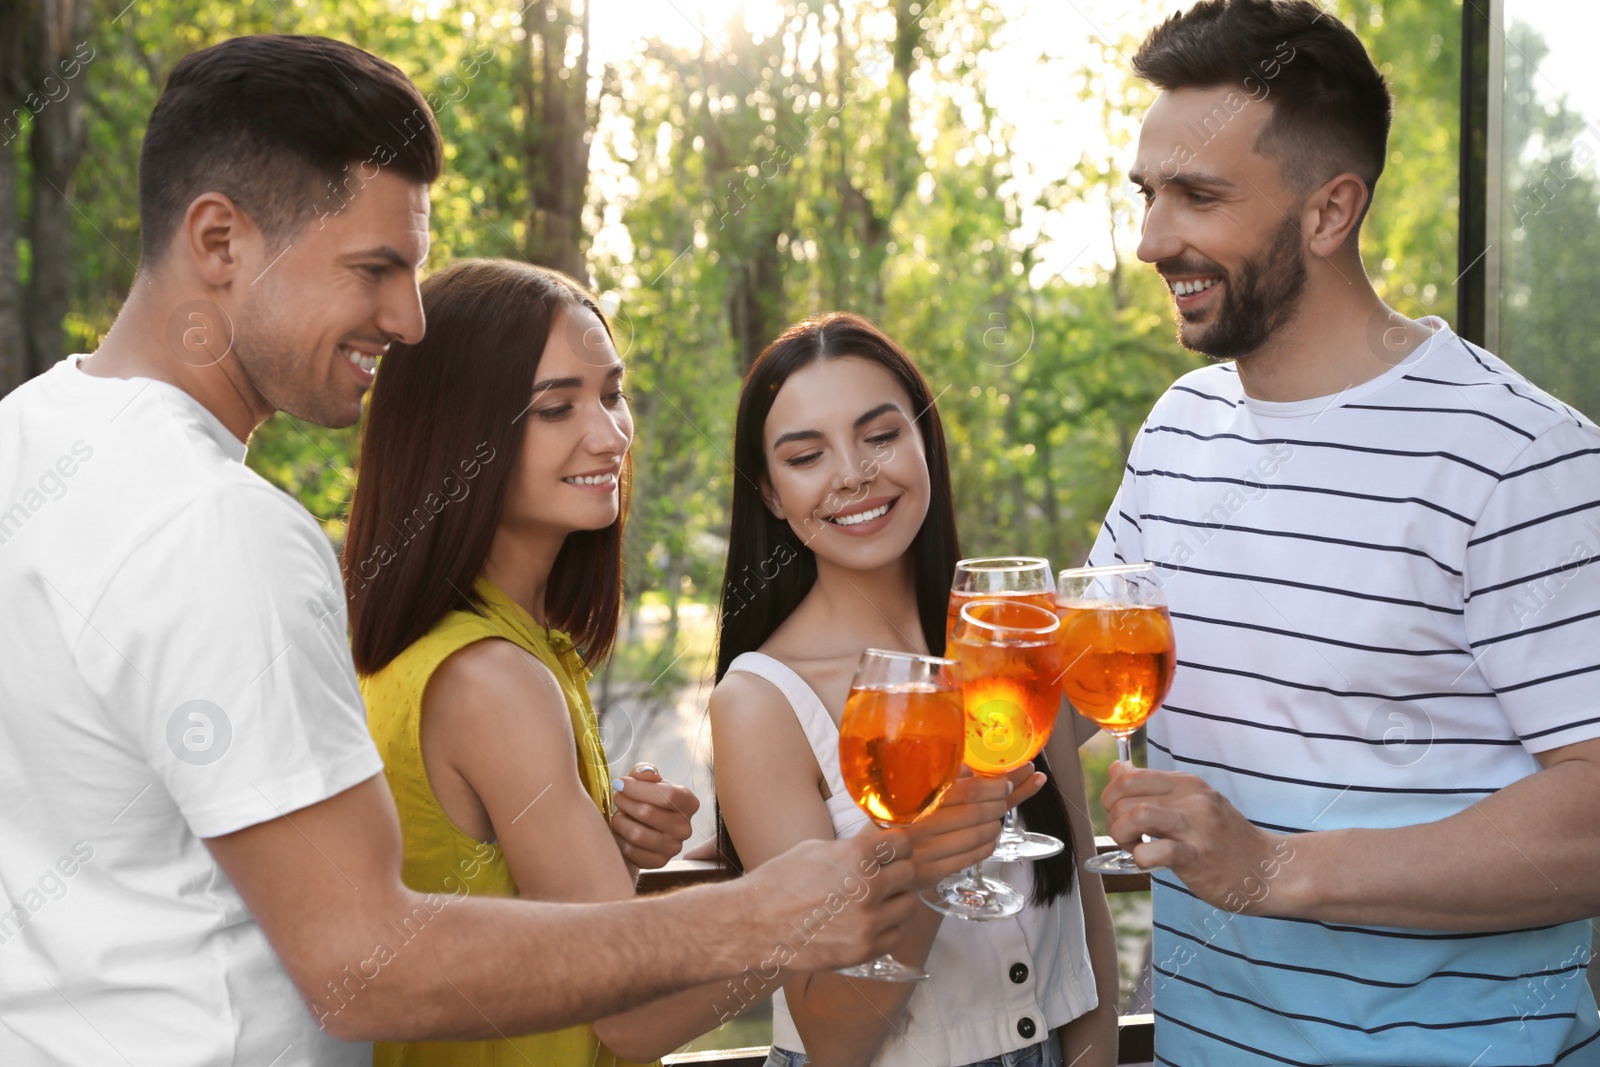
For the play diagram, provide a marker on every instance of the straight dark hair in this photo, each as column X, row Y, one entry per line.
column 770, row 570
column 285, row 126
column 1331, row 108
column 444, row 428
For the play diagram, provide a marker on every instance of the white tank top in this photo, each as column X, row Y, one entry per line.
column 996, row 986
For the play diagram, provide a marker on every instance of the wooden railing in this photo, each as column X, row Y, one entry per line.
column 1136, row 1037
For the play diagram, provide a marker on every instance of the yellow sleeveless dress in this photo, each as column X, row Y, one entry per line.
column 442, row 858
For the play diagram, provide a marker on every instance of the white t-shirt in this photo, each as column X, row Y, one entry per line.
column 173, row 666
column 1386, row 605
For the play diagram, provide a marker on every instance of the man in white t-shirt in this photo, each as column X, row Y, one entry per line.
column 1372, row 789
column 195, row 839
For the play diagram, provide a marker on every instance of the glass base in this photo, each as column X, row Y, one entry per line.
column 1026, row 846
column 1118, row 862
column 979, row 900
column 886, row 969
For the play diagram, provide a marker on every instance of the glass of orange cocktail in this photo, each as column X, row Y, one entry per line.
column 1119, row 655
column 900, row 747
column 1010, row 665
column 1029, row 579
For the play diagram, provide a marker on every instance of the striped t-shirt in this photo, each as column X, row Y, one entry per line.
column 1385, row 604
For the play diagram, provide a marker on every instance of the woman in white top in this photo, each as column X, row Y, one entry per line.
column 843, row 538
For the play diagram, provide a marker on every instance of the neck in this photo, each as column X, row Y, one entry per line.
column 185, row 339
column 520, row 563
column 1341, row 336
column 878, row 607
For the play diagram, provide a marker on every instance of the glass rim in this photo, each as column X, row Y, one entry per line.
column 1113, row 569
column 920, row 657
column 1002, row 563
column 1013, row 603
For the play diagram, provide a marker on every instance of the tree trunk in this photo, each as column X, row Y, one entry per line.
column 55, row 148
column 13, row 88
column 557, row 132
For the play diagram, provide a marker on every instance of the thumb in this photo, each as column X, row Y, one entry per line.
column 645, row 772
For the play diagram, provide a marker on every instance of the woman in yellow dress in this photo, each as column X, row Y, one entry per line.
column 483, row 566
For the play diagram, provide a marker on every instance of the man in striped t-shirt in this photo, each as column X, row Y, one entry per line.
column 1375, row 786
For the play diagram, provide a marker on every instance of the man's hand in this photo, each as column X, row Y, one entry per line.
column 652, row 816
column 1223, row 859
column 831, row 904
column 962, row 830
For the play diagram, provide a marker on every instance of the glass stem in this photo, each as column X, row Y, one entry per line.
column 1125, row 748
column 1009, row 830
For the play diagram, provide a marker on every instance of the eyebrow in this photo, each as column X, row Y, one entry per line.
column 573, row 383
column 388, row 254
column 1183, row 180
column 810, row 435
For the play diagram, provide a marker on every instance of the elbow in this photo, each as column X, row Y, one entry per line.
column 623, row 1040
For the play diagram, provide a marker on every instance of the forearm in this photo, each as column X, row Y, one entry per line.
column 456, row 968
column 844, row 1021
column 1528, row 855
column 1090, row 1040
column 651, row 1031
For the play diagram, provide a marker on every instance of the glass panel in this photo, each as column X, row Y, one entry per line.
column 1549, row 239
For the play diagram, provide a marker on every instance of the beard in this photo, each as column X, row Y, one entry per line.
column 1257, row 299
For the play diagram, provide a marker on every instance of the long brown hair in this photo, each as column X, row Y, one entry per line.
column 444, row 428
column 770, row 570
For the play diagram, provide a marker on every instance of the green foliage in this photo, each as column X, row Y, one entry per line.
column 849, row 160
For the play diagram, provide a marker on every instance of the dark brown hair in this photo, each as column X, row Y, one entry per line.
column 1330, row 106
column 770, row 569
column 444, row 428
column 284, row 126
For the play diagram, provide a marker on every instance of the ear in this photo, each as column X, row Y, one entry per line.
column 1331, row 213
column 769, row 497
column 218, row 238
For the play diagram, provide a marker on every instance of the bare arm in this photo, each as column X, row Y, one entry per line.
column 1090, row 1040
column 375, row 960
column 1528, row 855
column 496, row 717
column 767, row 783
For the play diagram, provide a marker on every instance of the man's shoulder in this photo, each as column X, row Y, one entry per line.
column 1459, row 376
column 1204, row 395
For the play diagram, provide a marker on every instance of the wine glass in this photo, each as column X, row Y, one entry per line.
column 1027, row 578
column 1010, row 667
column 1119, row 654
column 900, row 740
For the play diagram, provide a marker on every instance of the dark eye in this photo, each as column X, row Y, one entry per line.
column 884, row 438
column 616, row 397
column 802, row 460
column 554, row 414
column 1145, row 193
column 1200, row 198
column 375, row 272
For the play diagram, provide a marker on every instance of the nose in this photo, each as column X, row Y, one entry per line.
column 1158, row 239
column 610, row 432
column 850, row 477
column 401, row 317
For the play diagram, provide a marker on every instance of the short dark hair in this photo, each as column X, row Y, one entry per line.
column 1331, row 108
column 274, row 122
column 447, row 411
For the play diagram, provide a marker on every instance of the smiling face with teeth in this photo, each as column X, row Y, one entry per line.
column 1219, row 224
column 849, row 476
column 308, row 332
column 576, row 435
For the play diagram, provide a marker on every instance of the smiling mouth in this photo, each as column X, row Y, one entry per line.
column 366, row 361
column 1191, row 288
column 591, row 479
column 863, row 516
